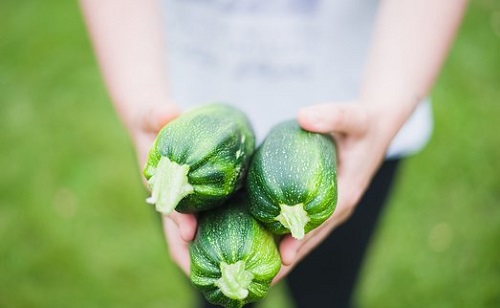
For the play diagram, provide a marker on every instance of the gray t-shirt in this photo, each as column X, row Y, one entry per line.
column 272, row 57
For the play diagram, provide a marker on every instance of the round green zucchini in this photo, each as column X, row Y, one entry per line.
column 199, row 159
column 233, row 257
column 292, row 180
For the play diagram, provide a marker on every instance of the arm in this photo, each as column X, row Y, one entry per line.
column 410, row 42
column 128, row 41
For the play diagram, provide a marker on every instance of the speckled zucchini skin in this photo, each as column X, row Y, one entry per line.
column 230, row 234
column 293, row 166
column 216, row 142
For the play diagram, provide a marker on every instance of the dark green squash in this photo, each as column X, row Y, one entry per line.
column 292, row 180
column 199, row 159
column 233, row 258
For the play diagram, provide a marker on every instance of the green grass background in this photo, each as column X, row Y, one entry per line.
column 75, row 230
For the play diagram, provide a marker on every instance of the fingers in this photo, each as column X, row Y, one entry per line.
column 186, row 225
column 147, row 125
column 179, row 249
column 157, row 116
column 292, row 250
column 289, row 247
column 344, row 118
column 284, row 270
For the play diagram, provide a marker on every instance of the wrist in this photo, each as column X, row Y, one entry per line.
column 388, row 114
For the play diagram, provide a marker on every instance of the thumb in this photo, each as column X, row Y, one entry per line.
column 156, row 116
column 345, row 118
column 149, row 122
column 186, row 223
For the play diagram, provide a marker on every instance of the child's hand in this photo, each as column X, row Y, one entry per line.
column 362, row 134
column 179, row 228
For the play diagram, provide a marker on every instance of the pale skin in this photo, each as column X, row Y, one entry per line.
column 410, row 42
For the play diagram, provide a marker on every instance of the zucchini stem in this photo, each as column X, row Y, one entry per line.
column 169, row 184
column 294, row 218
column 234, row 280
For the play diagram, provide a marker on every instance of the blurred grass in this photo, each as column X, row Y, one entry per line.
column 439, row 241
column 74, row 228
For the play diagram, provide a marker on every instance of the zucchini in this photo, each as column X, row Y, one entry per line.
column 198, row 160
column 292, row 180
column 233, row 257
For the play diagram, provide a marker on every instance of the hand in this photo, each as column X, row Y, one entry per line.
column 362, row 133
column 145, row 123
column 179, row 228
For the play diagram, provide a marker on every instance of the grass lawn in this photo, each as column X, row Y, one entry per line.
column 75, row 230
